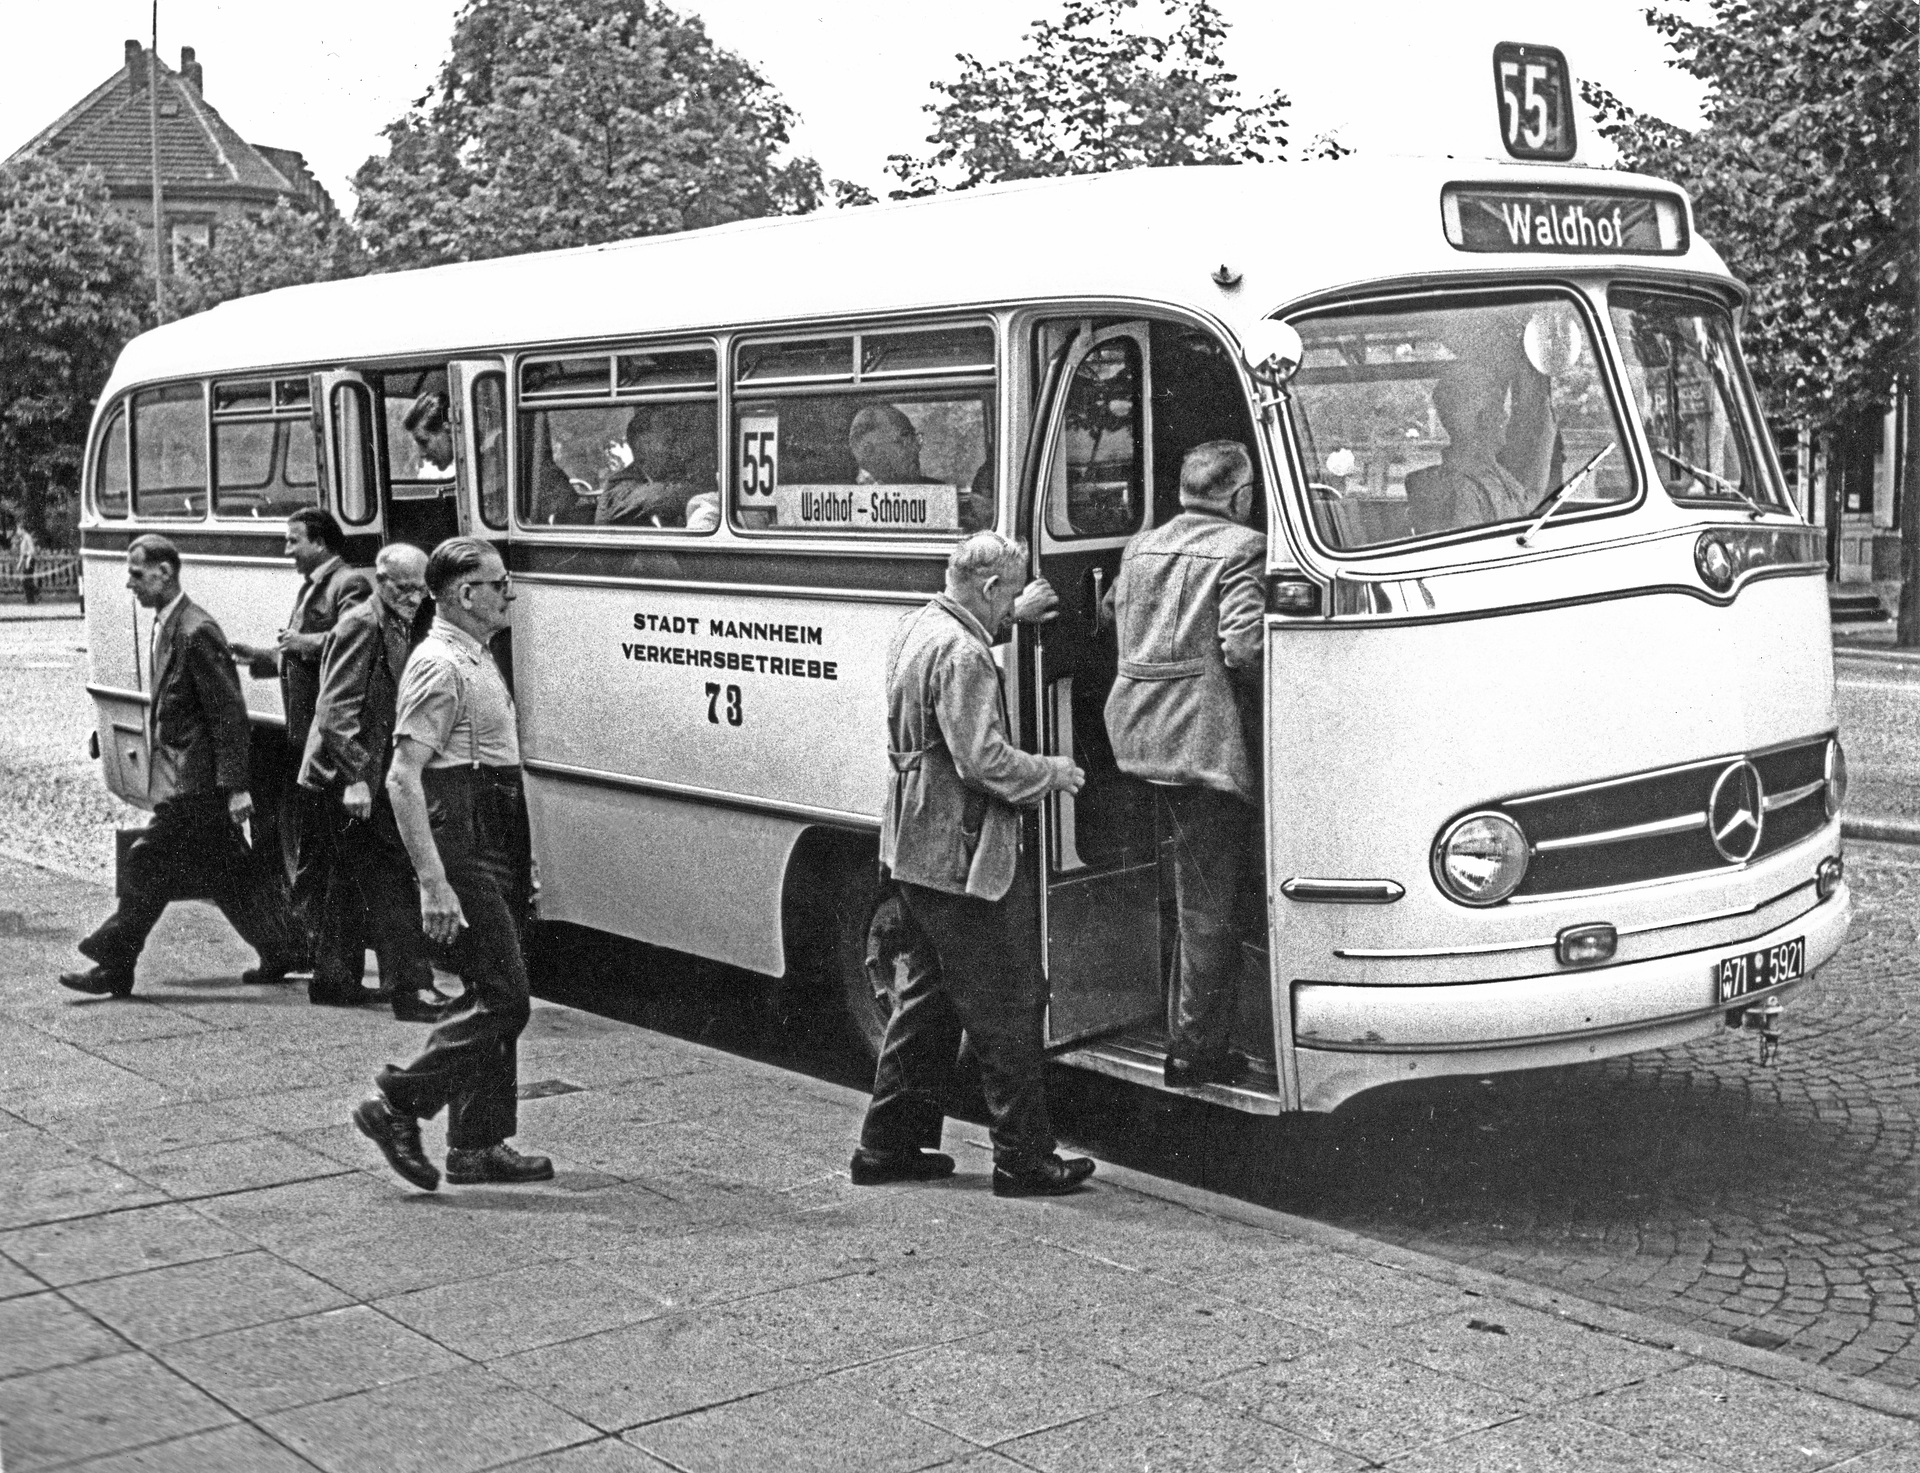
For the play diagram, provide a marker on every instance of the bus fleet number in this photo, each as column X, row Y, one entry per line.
column 733, row 712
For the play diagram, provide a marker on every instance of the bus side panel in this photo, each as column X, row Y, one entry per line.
column 680, row 875
column 249, row 599
column 759, row 697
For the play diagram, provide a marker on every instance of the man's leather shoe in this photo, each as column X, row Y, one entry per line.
column 875, row 1168
column 424, row 1006
column 398, row 1137
column 1191, row 1073
column 1041, row 1176
column 499, row 1163
column 337, row 997
column 99, row 982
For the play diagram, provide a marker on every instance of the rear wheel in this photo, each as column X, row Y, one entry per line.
column 866, row 1006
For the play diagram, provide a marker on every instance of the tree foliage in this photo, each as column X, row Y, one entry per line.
column 572, row 122
column 73, row 289
column 283, row 247
column 1089, row 95
column 1804, row 178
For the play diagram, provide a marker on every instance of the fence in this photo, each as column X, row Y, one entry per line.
column 55, row 575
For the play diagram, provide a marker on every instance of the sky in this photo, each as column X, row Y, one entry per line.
column 324, row 79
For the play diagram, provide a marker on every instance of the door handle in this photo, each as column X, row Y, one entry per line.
column 1097, row 581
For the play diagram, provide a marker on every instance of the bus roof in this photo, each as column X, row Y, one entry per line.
column 1289, row 231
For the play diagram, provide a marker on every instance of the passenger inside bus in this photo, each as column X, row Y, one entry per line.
column 1470, row 487
column 666, row 474
column 886, row 452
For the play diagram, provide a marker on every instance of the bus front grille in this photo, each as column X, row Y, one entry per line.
column 1657, row 825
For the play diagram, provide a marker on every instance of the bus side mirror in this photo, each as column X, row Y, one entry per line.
column 1273, row 351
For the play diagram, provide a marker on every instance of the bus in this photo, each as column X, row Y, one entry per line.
column 1551, row 768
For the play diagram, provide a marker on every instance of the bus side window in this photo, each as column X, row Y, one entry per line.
column 884, row 431
column 263, row 451
column 490, row 436
column 353, row 454
column 110, row 479
column 1099, row 489
column 170, row 451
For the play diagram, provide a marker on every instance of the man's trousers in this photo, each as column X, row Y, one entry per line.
column 191, row 850
column 1210, row 832
column 470, row 1063
column 965, row 970
column 370, row 893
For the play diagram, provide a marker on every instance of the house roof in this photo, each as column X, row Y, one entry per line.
column 111, row 129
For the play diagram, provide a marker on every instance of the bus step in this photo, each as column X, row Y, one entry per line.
column 1141, row 1059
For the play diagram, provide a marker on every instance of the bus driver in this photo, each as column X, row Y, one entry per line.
column 1469, row 487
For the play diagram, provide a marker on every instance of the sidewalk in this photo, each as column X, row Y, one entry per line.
column 202, row 1266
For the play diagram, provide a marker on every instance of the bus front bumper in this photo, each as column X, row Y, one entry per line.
column 1348, row 1039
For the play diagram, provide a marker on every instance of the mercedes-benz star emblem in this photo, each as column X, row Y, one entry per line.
column 1736, row 811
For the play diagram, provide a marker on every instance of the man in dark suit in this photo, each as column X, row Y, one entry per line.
column 328, row 586
column 346, row 766
column 197, row 780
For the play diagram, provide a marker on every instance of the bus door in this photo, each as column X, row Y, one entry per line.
column 1101, row 910
column 477, row 396
column 343, row 427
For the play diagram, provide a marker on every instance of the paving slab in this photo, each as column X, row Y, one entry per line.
column 1175, row 1433
column 811, row 1428
column 102, row 1406
column 114, row 1243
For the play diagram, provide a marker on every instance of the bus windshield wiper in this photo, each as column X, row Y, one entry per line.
column 1711, row 479
column 1559, row 493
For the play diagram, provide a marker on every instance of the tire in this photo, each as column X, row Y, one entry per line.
column 864, row 1008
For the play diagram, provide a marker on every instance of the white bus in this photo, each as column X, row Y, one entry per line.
column 1551, row 767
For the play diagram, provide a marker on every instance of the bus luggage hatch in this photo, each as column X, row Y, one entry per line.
column 1102, row 893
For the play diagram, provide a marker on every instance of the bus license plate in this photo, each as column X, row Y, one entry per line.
column 1758, row 970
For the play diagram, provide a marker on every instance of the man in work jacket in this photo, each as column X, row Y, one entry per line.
column 1184, row 715
column 950, row 839
column 345, row 767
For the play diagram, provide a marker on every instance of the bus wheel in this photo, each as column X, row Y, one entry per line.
column 866, row 1005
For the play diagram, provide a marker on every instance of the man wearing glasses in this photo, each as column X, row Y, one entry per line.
column 455, row 788
column 345, row 766
column 1184, row 714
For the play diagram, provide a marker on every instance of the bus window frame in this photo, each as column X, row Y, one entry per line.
column 990, row 382
column 205, row 489
column 516, row 364
column 1587, row 293
column 276, row 413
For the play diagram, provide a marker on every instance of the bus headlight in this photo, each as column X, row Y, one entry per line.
column 1481, row 859
column 1836, row 776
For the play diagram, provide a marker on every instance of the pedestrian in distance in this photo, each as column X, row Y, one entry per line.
column 345, row 766
column 197, row 749
column 328, row 587
column 1184, row 714
column 455, row 788
column 25, row 553
column 949, row 847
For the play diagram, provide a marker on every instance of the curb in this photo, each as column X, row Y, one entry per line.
column 1876, row 653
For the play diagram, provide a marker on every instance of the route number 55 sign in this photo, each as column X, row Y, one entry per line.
column 1536, row 101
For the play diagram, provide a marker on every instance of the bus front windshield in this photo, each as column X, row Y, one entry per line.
column 1453, row 415
column 1685, row 377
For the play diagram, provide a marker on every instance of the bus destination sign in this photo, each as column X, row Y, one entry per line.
column 1563, row 221
column 1535, row 95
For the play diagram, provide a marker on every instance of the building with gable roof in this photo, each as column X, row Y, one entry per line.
column 208, row 172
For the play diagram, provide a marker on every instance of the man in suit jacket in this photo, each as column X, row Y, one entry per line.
column 345, row 765
column 328, row 586
column 197, row 741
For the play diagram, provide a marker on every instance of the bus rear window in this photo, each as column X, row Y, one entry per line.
column 170, row 452
column 1453, row 415
column 110, row 470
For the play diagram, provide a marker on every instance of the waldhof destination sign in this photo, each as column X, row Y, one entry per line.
column 1480, row 217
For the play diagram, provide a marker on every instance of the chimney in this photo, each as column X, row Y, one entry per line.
column 136, row 65
column 191, row 72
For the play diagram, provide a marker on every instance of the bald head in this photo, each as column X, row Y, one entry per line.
column 400, row 573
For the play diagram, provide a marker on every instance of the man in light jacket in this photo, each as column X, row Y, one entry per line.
column 1184, row 714
column 950, row 840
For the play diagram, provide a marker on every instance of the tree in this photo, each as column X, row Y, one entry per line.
column 1089, row 96
column 284, row 247
column 572, row 122
column 1804, row 177
column 73, row 289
